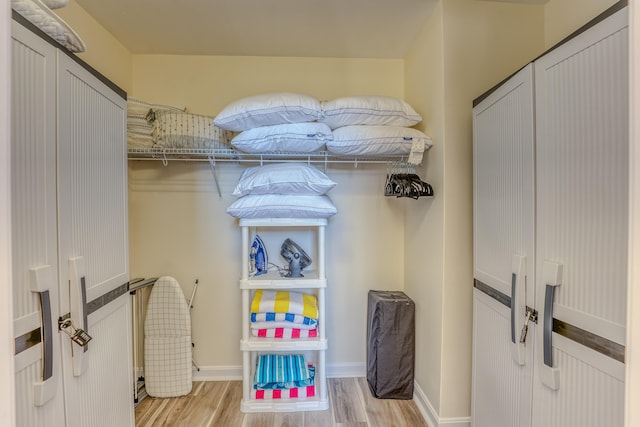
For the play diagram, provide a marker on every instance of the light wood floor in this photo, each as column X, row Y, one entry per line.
column 217, row 404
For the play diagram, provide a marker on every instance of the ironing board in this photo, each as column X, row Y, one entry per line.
column 167, row 341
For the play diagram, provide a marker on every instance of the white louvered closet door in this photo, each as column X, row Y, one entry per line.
column 503, row 253
column 38, row 382
column 582, row 154
column 92, row 191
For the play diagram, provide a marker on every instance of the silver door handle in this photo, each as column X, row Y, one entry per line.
column 518, row 307
column 41, row 280
column 552, row 278
column 77, row 302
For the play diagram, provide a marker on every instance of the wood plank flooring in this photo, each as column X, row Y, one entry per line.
column 217, row 404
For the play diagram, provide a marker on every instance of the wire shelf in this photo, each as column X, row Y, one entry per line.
column 230, row 155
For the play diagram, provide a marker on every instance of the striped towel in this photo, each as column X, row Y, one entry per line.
column 280, row 371
column 284, row 333
column 292, row 393
column 285, row 302
column 283, row 317
column 273, row 325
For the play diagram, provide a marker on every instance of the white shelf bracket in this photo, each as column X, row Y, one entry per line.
column 212, row 163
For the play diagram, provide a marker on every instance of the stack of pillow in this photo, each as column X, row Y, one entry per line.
column 283, row 190
column 374, row 126
column 275, row 122
column 167, row 126
column 367, row 126
column 139, row 126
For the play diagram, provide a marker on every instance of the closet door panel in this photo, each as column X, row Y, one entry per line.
column 581, row 231
column 591, row 392
column 582, row 181
column 501, row 389
column 103, row 395
column 94, row 270
column 92, row 178
column 503, row 253
column 34, row 249
column 503, row 183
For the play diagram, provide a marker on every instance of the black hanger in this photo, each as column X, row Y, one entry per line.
column 400, row 183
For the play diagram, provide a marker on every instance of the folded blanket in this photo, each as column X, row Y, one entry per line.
column 280, row 371
column 285, row 333
column 292, row 393
column 285, row 302
column 296, row 319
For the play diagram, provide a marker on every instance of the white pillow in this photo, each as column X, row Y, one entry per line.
column 139, row 139
column 184, row 130
column 290, row 137
column 377, row 140
column 55, row 4
column 368, row 110
column 282, row 206
column 283, row 178
column 268, row 109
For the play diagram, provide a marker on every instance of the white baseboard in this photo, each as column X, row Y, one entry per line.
column 430, row 414
column 346, row 370
column 234, row 373
column 218, row 373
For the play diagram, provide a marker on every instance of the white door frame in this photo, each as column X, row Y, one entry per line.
column 632, row 395
column 7, row 404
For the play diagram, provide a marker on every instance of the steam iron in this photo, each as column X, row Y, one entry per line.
column 258, row 261
column 295, row 256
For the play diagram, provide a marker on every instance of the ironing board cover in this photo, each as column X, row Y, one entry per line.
column 167, row 341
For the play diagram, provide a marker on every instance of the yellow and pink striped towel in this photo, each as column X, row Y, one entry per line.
column 285, row 302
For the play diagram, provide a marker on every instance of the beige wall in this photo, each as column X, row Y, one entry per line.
column 104, row 52
column 178, row 225
column 562, row 17
column 424, row 232
column 483, row 43
column 465, row 48
column 205, row 84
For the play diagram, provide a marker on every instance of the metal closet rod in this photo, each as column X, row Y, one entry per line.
column 213, row 157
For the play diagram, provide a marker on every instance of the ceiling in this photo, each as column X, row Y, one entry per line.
column 309, row 28
column 312, row 28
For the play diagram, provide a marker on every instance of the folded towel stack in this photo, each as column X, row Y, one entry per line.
column 284, row 314
column 282, row 372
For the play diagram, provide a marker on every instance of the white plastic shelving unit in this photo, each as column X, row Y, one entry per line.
column 314, row 281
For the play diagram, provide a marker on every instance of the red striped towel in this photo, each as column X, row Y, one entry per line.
column 290, row 393
column 285, row 333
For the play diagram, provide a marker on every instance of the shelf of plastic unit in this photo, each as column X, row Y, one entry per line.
column 273, row 280
column 284, row 405
column 319, row 401
column 283, row 222
column 283, row 344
